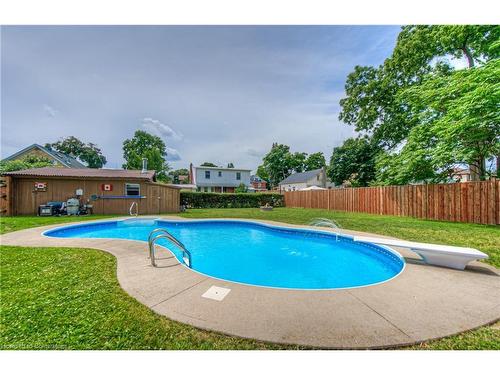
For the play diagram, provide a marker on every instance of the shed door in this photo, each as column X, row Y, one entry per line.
column 155, row 199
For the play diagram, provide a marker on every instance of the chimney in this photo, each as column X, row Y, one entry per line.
column 144, row 165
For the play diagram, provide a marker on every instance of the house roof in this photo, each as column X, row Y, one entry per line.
column 255, row 178
column 84, row 173
column 223, row 168
column 300, row 177
column 461, row 171
column 64, row 159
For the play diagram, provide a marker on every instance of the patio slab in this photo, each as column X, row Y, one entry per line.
column 423, row 302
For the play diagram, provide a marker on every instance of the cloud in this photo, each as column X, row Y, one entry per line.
column 159, row 128
column 49, row 111
column 216, row 93
column 172, row 154
column 254, row 153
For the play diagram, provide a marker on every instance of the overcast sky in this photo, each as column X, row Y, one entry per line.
column 218, row 94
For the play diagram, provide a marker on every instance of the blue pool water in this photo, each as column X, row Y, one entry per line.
column 259, row 254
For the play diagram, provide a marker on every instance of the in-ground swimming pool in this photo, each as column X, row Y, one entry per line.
column 259, row 254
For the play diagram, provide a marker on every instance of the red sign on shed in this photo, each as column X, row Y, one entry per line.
column 107, row 187
column 40, row 186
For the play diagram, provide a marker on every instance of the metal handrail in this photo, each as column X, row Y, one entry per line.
column 136, row 209
column 155, row 231
column 159, row 233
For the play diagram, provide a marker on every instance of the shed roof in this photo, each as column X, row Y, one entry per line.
column 84, row 173
column 300, row 177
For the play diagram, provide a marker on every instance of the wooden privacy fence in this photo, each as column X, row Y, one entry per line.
column 470, row 202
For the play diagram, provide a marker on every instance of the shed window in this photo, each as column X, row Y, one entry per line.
column 132, row 189
column 207, row 175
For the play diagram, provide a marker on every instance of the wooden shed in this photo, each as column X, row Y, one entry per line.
column 110, row 191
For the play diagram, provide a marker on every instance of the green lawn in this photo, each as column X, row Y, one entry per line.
column 10, row 224
column 59, row 298
column 54, row 298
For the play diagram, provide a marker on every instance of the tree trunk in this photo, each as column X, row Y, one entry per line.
column 475, row 170
column 478, row 170
column 468, row 55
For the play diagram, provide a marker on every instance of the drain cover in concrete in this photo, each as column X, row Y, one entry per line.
column 216, row 292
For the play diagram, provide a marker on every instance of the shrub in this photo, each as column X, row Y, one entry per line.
column 30, row 161
column 242, row 188
column 226, row 200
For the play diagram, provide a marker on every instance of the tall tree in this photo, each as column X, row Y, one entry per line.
column 354, row 162
column 208, row 164
column 278, row 163
column 149, row 146
column 315, row 161
column 92, row 155
column 459, row 119
column 262, row 173
column 373, row 103
column 88, row 153
column 179, row 172
column 230, row 165
column 71, row 146
column 298, row 161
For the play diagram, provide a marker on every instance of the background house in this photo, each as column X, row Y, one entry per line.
column 299, row 181
column 58, row 159
column 257, row 184
column 218, row 179
column 461, row 175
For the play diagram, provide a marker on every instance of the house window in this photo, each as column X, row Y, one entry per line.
column 205, row 189
column 132, row 189
column 220, row 174
column 238, row 175
column 207, row 175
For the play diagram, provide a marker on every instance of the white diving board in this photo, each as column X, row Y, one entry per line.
column 439, row 255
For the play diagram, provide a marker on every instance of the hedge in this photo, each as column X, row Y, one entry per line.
column 227, row 200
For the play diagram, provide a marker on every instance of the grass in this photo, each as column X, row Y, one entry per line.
column 10, row 224
column 61, row 298
column 57, row 298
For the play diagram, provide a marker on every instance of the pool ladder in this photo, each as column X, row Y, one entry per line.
column 160, row 233
column 134, row 204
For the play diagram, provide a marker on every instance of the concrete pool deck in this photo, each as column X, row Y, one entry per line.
column 423, row 302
